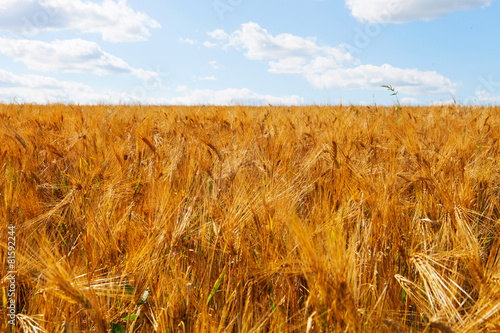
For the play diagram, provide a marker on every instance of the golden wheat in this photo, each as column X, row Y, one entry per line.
column 251, row 219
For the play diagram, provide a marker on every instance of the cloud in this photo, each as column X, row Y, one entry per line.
column 442, row 102
column 483, row 96
column 68, row 56
column 409, row 101
column 408, row 81
column 298, row 65
column 206, row 78
column 325, row 66
column 402, row 11
column 209, row 44
column 261, row 45
column 188, row 41
column 43, row 89
column 230, row 97
column 480, row 96
column 114, row 20
column 213, row 64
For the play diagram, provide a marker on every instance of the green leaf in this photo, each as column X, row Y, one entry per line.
column 131, row 317
column 137, row 186
column 215, row 288
column 117, row 328
column 64, row 241
column 129, row 289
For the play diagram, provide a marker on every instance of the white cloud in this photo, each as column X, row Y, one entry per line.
column 325, row 66
column 114, row 20
column 218, row 34
column 188, row 41
column 299, row 65
column 408, row 81
column 230, row 97
column 206, row 78
column 213, row 64
column 43, row 89
column 442, row 102
column 401, row 11
column 208, row 44
column 484, row 97
column 410, row 101
column 261, row 45
column 68, row 56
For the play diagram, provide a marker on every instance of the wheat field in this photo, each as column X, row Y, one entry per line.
column 251, row 219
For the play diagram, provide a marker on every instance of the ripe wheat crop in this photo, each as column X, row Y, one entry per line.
column 251, row 219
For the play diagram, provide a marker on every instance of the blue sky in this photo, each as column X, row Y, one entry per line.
column 250, row 52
